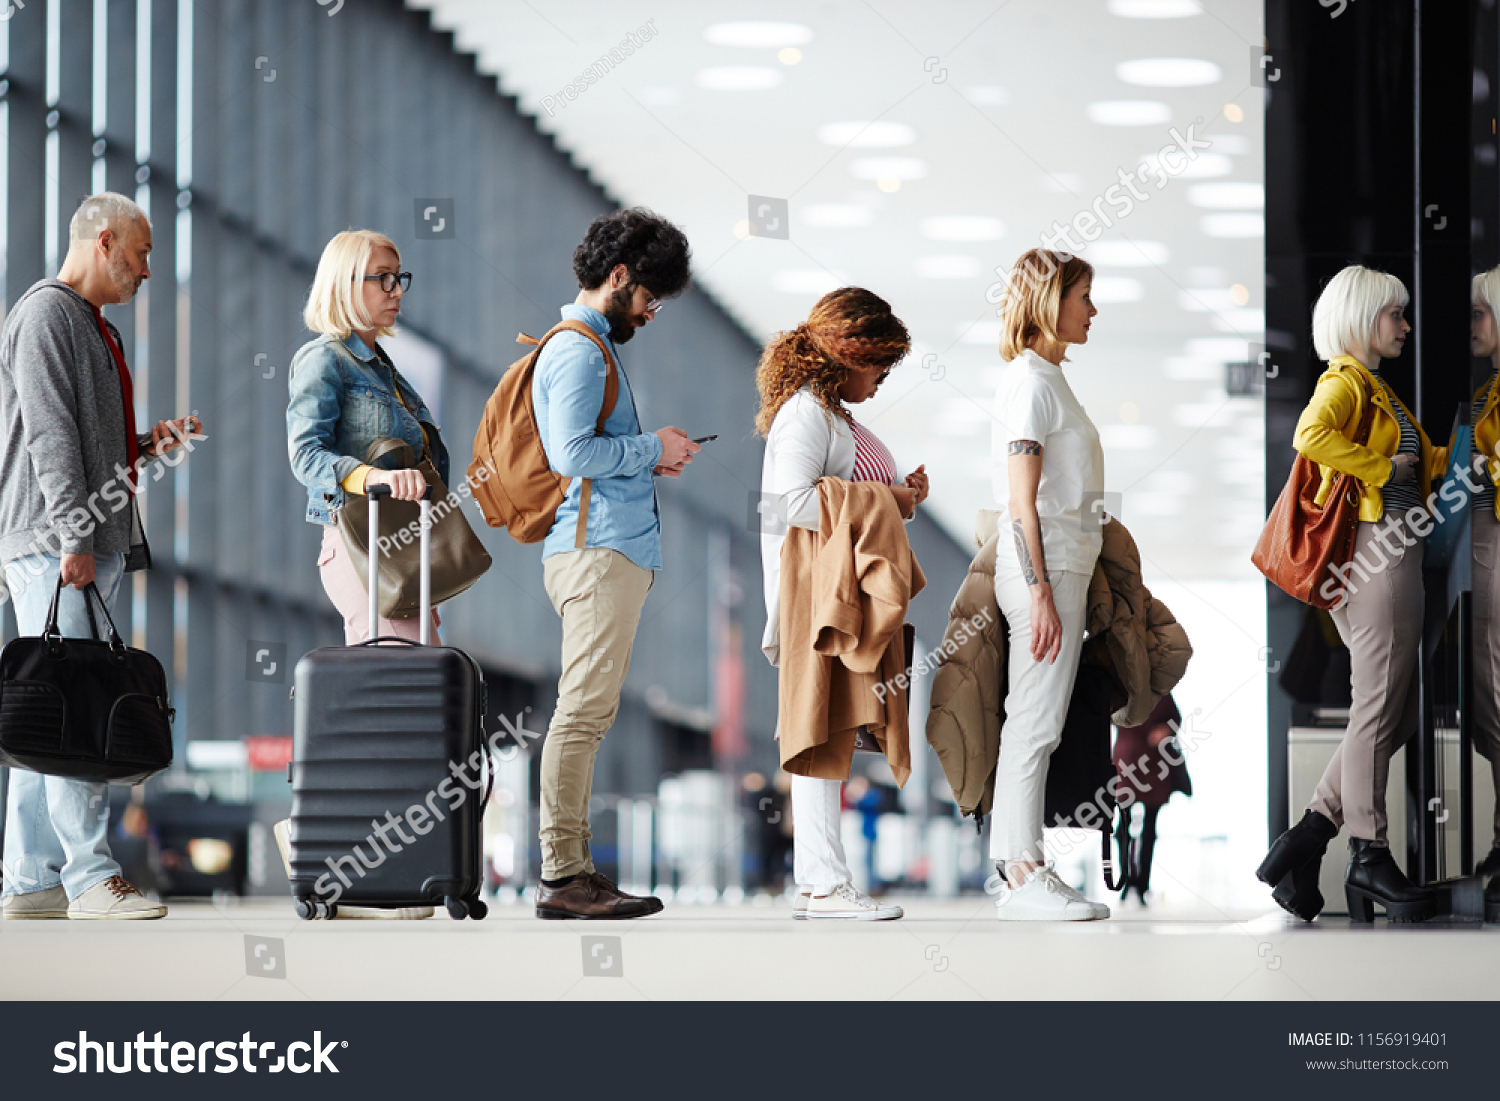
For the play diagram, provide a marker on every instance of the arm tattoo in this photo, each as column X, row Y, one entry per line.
column 1024, row 447
column 1023, row 556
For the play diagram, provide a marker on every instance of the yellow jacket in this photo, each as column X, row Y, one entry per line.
column 1487, row 429
column 1327, row 426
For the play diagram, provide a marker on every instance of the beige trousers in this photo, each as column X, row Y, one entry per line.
column 1486, row 541
column 598, row 592
column 1381, row 623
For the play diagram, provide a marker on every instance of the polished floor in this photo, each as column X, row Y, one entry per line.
column 954, row 949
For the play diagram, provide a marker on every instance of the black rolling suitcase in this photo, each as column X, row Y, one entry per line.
column 385, row 733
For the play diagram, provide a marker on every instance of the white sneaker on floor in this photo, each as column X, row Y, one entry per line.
column 114, row 899
column 50, row 902
column 402, row 913
column 799, row 905
column 1045, row 897
column 845, row 903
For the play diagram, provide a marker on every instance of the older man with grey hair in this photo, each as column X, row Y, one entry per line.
column 70, row 463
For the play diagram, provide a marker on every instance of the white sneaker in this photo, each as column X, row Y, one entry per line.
column 799, row 905
column 1045, row 897
column 50, row 902
column 114, row 899
column 845, row 903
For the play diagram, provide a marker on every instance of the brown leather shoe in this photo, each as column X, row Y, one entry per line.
column 653, row 904
column 588, row 896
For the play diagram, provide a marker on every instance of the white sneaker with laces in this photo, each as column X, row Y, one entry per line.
column 845, row 903
column 1045, row 897
column 50, row 902
column 799, row 905
column 114, row 899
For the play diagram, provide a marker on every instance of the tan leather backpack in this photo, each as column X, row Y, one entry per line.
column 516, row 487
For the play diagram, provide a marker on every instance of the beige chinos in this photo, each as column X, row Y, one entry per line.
column 599, row 593
column 1381, row 624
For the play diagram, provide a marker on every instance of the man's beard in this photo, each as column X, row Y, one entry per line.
column 617, row 313
column 125, row 284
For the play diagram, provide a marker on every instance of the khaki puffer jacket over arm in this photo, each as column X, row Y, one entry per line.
column 1131, row 632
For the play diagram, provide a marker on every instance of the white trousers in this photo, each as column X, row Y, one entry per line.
column 1036, row 704
column 818, row 863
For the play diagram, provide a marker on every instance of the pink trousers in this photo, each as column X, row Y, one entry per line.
column 346, row 588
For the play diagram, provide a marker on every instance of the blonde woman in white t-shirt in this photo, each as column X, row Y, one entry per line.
column 1048, row 472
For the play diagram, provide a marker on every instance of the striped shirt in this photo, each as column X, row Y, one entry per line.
column 873, row 461
column 1485, row 498
column 1407, row 495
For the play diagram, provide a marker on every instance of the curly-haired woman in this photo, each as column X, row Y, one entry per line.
column 807, row 380
column 1048, row 472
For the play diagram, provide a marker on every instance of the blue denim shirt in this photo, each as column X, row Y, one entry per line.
column 568, row 392
column 339, row 405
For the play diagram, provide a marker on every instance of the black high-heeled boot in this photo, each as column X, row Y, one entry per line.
column 1373, row 876
column 1298, row 850
column 1490, row 865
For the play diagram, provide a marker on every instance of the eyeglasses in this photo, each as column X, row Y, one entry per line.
column 389, row 279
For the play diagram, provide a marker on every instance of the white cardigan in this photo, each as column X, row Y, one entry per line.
column 805, row 443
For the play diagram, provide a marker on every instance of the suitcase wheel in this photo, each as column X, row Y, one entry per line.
column 311, row 909
column 457, row 908
column 478, row 909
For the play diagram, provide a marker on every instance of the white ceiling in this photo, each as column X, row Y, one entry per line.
column 994, row 120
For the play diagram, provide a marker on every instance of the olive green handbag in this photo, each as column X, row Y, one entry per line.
column 458, row 557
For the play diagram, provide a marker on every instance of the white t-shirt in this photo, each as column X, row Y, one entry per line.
column 1035, row 402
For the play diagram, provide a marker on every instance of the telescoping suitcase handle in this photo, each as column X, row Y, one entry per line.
column 424, row 570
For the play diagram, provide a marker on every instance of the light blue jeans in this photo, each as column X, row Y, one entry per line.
column 55, row 828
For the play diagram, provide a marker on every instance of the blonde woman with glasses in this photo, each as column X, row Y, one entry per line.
column 345, row 394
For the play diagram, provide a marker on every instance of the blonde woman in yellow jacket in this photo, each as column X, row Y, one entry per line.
column 1357, row 323
column 1484, row 342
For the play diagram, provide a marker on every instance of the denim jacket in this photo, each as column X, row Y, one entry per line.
column 339, row 405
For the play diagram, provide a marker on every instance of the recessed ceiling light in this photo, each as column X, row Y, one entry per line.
column 1228, row 196
column 1234, row 112
column 1116, row 288
column 789, row 55
column 1201, row 166
column 963, row 227
column 1130, row 112
column 889, row 184
column 1155, row 9
column 836, row 215
column 880, row 168
column 758, row 35
column 738, row 78
column 948, row 267
column 1169, row 72
column 1126, row 254
column 987, row 95
column 866, row 135
column 806, row 281
column 1233, row 225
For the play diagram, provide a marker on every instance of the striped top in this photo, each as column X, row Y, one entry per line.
column 1407, row 495
column 1485, row 498
column 873, row 461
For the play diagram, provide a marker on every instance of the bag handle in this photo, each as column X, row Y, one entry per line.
column 90, row 594
column 387, row 445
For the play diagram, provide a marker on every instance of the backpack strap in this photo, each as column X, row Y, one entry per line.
column 611, row 396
